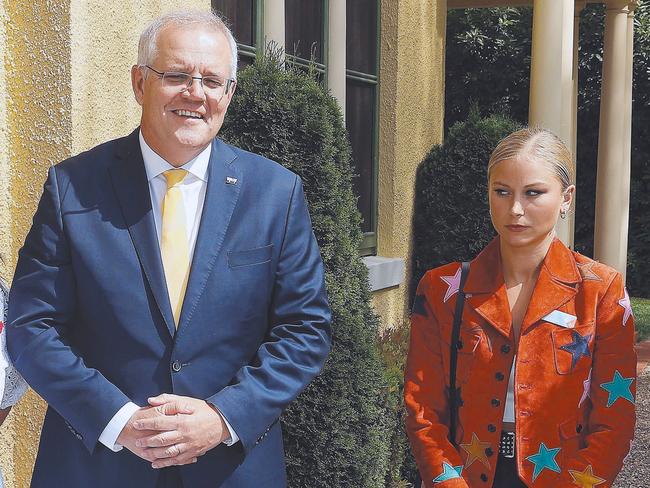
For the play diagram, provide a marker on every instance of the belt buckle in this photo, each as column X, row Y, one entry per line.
column 507, row 445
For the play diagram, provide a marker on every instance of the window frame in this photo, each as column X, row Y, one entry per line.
column 369, row 241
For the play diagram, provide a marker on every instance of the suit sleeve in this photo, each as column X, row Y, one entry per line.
column 425, row 398
column 612, row 392
column 298, row 338
column 41, row 316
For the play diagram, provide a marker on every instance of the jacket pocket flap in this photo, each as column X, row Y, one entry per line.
column 249, row 257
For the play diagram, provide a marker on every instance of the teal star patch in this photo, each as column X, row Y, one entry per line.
column 448, row 472
column 544, row 459
column 619, row 387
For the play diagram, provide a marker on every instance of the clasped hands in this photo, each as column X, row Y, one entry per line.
column 173, row 430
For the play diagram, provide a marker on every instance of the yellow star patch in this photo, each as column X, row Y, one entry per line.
column 587, row 272
column 476, row 450
column 586, row 478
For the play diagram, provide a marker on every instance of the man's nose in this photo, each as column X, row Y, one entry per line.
column 195, row 90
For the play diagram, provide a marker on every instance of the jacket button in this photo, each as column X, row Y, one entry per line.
column 484, row 477
column 579, row 428
column 495, row 402
column 505, row 349
column 176, row 366
column 459, row 345
column 489, row 452
column 499, row 376
column 492, row 428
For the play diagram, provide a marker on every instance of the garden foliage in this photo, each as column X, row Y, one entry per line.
column 337, row 433
column 451, row 219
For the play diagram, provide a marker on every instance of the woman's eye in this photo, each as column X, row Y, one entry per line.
column 501, row 192
column 533, row 193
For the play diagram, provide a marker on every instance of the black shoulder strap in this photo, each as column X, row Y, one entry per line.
column 454, row 394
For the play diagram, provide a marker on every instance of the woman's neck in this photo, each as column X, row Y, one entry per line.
column 522, row 264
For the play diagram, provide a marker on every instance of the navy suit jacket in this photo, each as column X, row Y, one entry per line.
column 91, row 326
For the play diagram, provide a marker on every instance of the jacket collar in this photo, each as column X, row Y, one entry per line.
column 487, row 294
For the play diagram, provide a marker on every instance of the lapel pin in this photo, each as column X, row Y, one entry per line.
column 230, row 180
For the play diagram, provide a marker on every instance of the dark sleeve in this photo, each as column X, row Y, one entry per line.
column 41, row 315
column 298, row 340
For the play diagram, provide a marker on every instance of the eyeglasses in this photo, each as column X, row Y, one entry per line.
column 213, row 86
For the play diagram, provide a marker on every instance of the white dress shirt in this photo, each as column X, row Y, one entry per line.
column 193, row 189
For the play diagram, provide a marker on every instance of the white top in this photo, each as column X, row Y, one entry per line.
column 12, row 385
column 193, row 188
column 509, row 411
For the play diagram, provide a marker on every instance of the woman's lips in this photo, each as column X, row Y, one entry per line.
column 516, row 228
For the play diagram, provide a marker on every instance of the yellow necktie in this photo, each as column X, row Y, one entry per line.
column 173, row 244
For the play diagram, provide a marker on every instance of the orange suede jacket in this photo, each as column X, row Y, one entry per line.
column 575, row 376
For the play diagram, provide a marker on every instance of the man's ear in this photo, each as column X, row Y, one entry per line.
column 137, row 82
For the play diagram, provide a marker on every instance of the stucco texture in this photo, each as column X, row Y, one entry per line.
column 64, row 87
column 411, row 115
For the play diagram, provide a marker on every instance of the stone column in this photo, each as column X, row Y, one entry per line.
column 336, row 56
column 274, row 22
column 551, row 77
column 613, row 178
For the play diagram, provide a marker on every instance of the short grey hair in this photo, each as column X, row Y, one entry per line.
column 148, row 44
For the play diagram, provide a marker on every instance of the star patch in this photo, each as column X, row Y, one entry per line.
column 587, row 387
column 544, row 459
column 578, row 348
column 418, row 306
column 449, row 472
column 627, row 306
column 476, row 450
column 453, row 283
column 586, row 478
column 587, row 272
column 619, row 387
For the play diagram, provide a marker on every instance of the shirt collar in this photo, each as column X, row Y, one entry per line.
column 155, row 165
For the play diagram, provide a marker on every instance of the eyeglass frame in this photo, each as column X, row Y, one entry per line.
column 227, row 85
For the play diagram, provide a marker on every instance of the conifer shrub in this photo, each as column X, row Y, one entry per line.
column 337, row 433
column 451, row 220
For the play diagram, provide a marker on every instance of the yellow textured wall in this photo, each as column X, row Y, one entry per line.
column 36, row 53
column 411, row 115
column 64, row 87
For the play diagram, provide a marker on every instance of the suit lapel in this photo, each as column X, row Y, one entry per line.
column 130, row 185
column 224, row 185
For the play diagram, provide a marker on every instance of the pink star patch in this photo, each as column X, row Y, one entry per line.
column 587, row 386
column 453, row 283
column 627, row 306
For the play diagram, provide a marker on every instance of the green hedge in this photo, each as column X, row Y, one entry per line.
column 641, row 308
column 338, row 432
column 451, row 220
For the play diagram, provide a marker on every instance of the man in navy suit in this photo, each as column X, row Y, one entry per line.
column 169, row 301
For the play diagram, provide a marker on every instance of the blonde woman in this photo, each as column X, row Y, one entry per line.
column 545, row 360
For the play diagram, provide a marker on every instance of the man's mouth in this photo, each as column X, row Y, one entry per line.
column 188, row 113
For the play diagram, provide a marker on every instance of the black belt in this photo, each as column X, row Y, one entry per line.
column 507, row 444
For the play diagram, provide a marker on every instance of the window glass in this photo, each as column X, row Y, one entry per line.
column 304, row 28
column 240, row 15
column 360, row 122
column 361, row 43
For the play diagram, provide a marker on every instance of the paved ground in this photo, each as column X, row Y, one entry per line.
column 636, row 471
